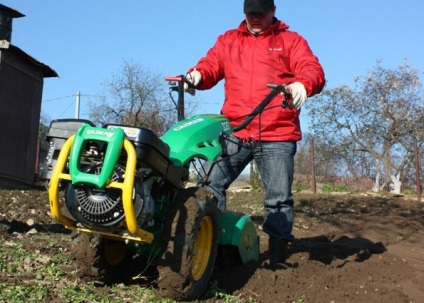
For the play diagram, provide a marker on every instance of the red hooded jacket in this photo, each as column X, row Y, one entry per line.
column 248, row 64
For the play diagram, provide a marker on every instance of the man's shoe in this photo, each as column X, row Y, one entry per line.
column 277, row 251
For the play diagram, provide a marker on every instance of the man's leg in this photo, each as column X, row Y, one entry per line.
column 228, row 169
column 275, row 162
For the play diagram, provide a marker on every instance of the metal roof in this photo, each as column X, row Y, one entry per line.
column 46, row 70
column 12, row 12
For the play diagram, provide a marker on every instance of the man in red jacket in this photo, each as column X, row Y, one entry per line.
column 261, row 51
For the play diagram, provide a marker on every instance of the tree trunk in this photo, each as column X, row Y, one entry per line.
column 395, row 186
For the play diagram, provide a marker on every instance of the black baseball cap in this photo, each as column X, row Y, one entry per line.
column 260, row 6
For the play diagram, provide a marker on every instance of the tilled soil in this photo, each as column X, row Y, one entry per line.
column 347, row 248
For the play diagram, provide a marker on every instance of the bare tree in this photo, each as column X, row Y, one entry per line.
column 44, row 125
column 136, row 97
column 303, row 156
column 372, row 126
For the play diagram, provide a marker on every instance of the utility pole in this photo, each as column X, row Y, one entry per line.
column 77, row 105
column 417, row 170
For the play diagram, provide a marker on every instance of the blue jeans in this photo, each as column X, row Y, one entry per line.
column 275, row 162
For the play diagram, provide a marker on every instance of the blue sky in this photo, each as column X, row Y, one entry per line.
column 86, row 41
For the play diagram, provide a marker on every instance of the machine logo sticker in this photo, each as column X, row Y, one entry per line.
column 100, row 133
column 182, row 126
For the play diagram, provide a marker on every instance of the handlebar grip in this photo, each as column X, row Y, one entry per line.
column 174, row 78
column 281, row 87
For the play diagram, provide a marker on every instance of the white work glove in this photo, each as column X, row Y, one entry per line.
column 298, row 93
column 194, row 77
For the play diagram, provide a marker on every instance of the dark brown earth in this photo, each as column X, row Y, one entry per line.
column 347, row 248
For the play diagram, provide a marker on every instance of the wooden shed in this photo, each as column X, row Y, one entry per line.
column 21, row 89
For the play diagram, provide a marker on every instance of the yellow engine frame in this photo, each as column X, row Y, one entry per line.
column 133, row 232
